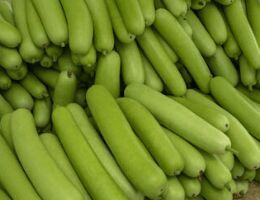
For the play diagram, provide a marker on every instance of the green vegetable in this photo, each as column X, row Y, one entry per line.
column 42, row 112
column 90, row 171
column 103, row 32
column 230, row 99
column 161, row 62
column 34, row 86
column 48, row 76
column 65, row 88
column 108, row 72
column 10, row 59
column 214, row 22
column 192, row 186
column 23, row 129
column 168, row 26
column 5, row 107
column 53, row 20
column 194, row 163
column 18, row 74
column 101, row 151
column 221, row 65
column 13, row 177
column 6, row 11
column 243, row 33
column 175, row 190
column 28, row 50
column 132, row 66
column 16, row 90
column 152, row 135
column 54, row 148
column 132, row 16
column 141, row 166
column 200, row 36
column 35, row 27
column 227, row 159
column 80, row 26
column 177, row 8
column 5, row 81
column 174, row 116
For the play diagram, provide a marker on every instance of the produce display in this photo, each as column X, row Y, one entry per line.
column 129, row 99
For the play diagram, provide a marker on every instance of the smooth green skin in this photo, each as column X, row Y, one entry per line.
column 35, row 27
column 5, row 127
column 119, row 27
column 177, row 7
column 191, row 186
column 103, row 31
column 258, row 78
column 227, row 159
column 253, row 15
column 200, row 36
column 198, row 4
column 194, row 163
column 242, row 188
column 80, row 26
column 132, row 16
column 90, row 171
column 247, row 73
column 152, row 136
column 54, row 52
column 225, row 94
column 56, row 152
column 18, row 74
column 65, row 63
column 7, row 12
column 108, row 72
column 34, row 86
column 221, row 65
column 216, row 119
column 171, row 54
column 101, row 150
column 243, row 33
column 48, row 76
column 5, row 106
column 237, row 170
column 216, row 172
column 3, row 195
column 175, row 190
column 28, row 50
column 10, row 36
column 5, row 81
column 214, row 22
column 12, row 176
column 65, row 89
column 241, row 140
column 168, row 26
column 132, row 66
column 209, row 192
column 136, row 164
column 254, row 95
column 148, row 10
column 16, row 90
column 257, row 177
column 249, row 175
column 80, row 97
column 185, row 25
column 53, row 20
column 174, row 116
column 231, row 46
column 42, row 112
column 162, row 64
column 151, row 78
column 24, row 131
column 195, row 198
column 225, row 2
column 10, row 59
column 46, row 61
column 89, row 60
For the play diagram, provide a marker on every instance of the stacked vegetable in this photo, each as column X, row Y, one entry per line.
column 118, row 99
